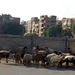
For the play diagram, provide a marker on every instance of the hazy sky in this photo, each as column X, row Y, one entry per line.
column 25, row 9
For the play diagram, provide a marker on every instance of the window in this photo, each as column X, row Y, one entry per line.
column 42, row 25
column 42, row 20
column 30, row 31
column 41, row 29
column 47, row 25
column 36, row 26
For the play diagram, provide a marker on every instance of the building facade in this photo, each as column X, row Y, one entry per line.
column 37, row 26
column 6, row 19
column 45, row 22
column 32, row 26
column 67, row 23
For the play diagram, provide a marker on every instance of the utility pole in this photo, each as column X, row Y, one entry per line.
column 31, row 42
column 66, row 43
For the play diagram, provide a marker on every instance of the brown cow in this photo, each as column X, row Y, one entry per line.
column 21, row 50
column 17, row 58
column 4, row 54
column 37, row 58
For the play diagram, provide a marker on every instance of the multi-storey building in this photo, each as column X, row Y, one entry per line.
column 67, row 23
column 6, row 19
column 58, row 21
column 28, row 27
column 45, row 22
column 32, row 26
column 37, row 26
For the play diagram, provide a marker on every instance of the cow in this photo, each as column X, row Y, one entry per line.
column 37, row 58
column 21, row 50
column 27, row 58
column 17, row 58
column 4, row 54
column 69, row 59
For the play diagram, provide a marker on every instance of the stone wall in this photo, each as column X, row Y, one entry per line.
column 9, row 42
column 54, row 43
column 12, row 42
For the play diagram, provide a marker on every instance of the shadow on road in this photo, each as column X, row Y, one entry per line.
column 61, row 68
column 43, row 67
column 39, row 66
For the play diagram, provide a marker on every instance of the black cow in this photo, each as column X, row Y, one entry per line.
column 4, row 54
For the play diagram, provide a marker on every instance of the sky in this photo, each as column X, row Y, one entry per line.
column 25, row 9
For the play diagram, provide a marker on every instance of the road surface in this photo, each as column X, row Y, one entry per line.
column 14, row 69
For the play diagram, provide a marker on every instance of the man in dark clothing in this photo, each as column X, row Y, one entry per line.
column 69, row 50
column 24, row 51
column 37, row 47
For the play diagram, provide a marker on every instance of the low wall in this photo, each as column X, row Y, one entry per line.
column 9, row 42
column 12, row 42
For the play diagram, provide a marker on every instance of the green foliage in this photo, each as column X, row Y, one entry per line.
column 46, row 32
column 67, row 33
column 31, row 34
column 73, row 28
column 53, row 31
column 8, row 15
column 13, row 29
column 56, row 31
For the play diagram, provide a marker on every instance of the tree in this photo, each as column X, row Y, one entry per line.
column 8, row 15
column 67, row 32
column 73, row 28
column 13, row 29
column 53, row 31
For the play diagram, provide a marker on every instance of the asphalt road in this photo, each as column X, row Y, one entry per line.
column 14, row 69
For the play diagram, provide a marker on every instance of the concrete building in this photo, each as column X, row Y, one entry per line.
column 32, row 26
column 28, row 27
column 6, row 19
column 37, row 26
column 58, row 21
column 45, row 22
column 67, row 23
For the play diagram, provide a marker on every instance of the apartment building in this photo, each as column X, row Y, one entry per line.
column 58, row 21
column 32, row 26
column 10, row 19
column 67, row 23
column 28, row 27
column 37, row 26
column 6, row 19
column 45, row 22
